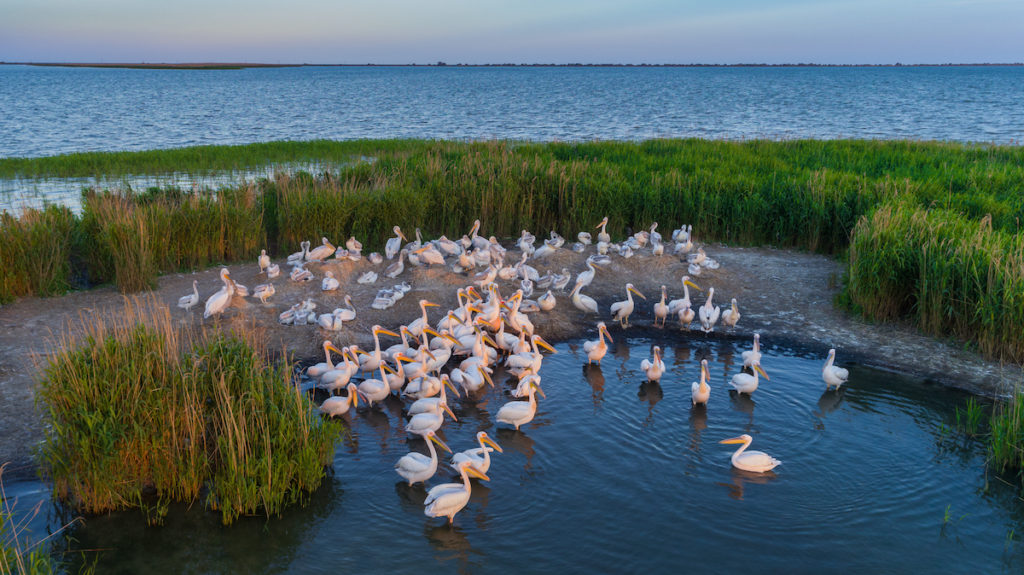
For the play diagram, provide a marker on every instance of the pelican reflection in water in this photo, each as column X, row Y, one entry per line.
column 741, row 478
column 651, row 392
column 595, row 377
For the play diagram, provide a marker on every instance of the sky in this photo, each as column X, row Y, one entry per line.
column 513, row 31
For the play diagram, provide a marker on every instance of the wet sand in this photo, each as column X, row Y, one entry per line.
column 786, row 296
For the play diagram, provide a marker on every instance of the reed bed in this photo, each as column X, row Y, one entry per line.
column 141, row 414
column 35, row 252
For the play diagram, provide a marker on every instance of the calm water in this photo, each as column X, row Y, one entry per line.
column 614, row 474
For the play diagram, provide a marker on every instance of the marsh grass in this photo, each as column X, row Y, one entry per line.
column 1006, row 442
column 140, row 414
column 35, row 252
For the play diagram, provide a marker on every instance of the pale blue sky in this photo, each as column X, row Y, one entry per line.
column 482, row 31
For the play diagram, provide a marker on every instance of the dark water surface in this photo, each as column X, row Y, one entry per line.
column 616, row 475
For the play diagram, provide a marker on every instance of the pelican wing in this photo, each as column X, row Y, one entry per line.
column 413, row 463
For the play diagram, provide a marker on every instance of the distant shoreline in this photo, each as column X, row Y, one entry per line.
column 244, row 65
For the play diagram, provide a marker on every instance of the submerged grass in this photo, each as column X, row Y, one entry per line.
column 140, row 415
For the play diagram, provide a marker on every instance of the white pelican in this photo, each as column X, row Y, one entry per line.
column 654, row 237
column 339, row 375
column 731, row 316
column 263, row 261
column 263, row 292
column 682, row 308
column 330, row 283
column 219, row 301
column 375, row 258
column 448, row 247
column 187, row 302
column 470, row 382
column 376, row 390
column 559, row 281
column 418, row 468
column 447, row 499
column 654, row 369
column 346, row 314
column 709, row 313
column 393, row 270
column 430, row 255
column 520, row 412
column 661, row 308
column 483, row 278
column 367, row 278
column 337, row 405
column 478, row 242
column 833, row 375
column 603, row 236
column 273, row 270
column 415, row 370
column 596, row 349
column 531, row 359
column 621, row 310
column 423, row 387
column 321, row 252
column 584, row 238
column 544, row 251
column 701, row 392
column 393, row 245
column 752, row 356
column 370, row 361
column 746, row 383
column 300, row 274
column 323, row 367
column 755, row 461
column 299, row 256
column 587, row 276
column 583, row 302
column 546, row 302
column 426, row 404
column 479, row 458
column 417, row 326
column 429, row 420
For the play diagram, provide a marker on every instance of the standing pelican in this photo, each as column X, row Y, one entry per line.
column 447, row 499
column 219, row 301
column 746, row 383
column 597, row 349
column 376, row 390
column 587, row 276
column 480, row 457
column 752, row 356
column 661, row 308
column 187, row 302
column 393, row 245
column 263, row 260
column 418, row 468
column 603, row 236
column 709, row 313
column 731, row 316
column 754, row 461
column 321, row 252
column 621, row 310
column 682, row 307
column 521, row 412
column 833, row 375
column 263, row 292
column 300, row 256
column 654, row 369
column 323, row 367
column 337, row 405
column 701, row 392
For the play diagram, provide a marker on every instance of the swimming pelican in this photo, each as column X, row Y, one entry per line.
column 709, row 313
column 752, row 356
column 597, row 349
column 219, row 301
column 263, row 261
column 299, row 256
column 833, row 375
column 731, row 316
column 393, row 270
column 603, row 236
column 746, row 383
column 621, row 310
column 330, row 283
column 418, row 468
column 479, row 458
column 337, row 405
column 447, row 499
column 682, row 308
column 429, row 420
column 321, row 252
column 583, row 302
column 654, row 369
column 392, row 247
column 701, row 392
column 521, row 412
column 263, row 292
column 661, row 308
column 755, row 461
column 189, row 301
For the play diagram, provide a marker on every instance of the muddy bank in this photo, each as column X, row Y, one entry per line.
column 786, row 296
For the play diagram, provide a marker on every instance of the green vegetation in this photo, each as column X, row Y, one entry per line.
column 140, row 415
column 933, row 229
column 1006, row 442
column 35, row 251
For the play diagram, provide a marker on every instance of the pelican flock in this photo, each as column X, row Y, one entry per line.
column 444, row 351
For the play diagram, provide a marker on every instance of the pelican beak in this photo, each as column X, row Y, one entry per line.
column 757, row 366
column 401, row 357
column 353, row 398
column 430, row 303
column 447, row 409
column 704, row 372
column 421, row 250
column 539, row 390
column 486, row 376
column 388, row 332
column 427, row 351
column 545, row 345
column 385, row 367
column 693, row 285
column 333, row 348
column 472, row 291
column 401, row 235
column 608, row 335
column 362, row 352
column 637, row 292
column 447, row 381
column 440, row 443
column 472, row 471
column 431, row 331
column 490, row 342
column 455, row 318
column 487, row 439
column 450, row 338
column 733, row 440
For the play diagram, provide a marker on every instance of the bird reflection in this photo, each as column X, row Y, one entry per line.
column 740, row 478
column 650, row 391
column 681, row 355
column 450, row 543
column 379, row 422
column 517, row 441
column 827, row 403
column 411, row 497
column 725, row 356
column 595, row 377
column 622, row 352
column 743, row 403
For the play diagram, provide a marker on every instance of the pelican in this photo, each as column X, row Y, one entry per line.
column 477, row 241
column 430, row 404
column 299, row 256
column 596, row 349
column 430, row 255
column 417, row 326
column 273, row 270
column 330, row 283
column 701, row 392
column 752, row 356
column 833, row 375
column 746, row 383
column 416, row 370
column 375, row 258
column 321, row 252
column 519, row 412
column 546, row 302
column 339, row 375
column 376, row 390
column 418, row 468
column 479, row 458
column 682, row 307
column 398, row 267
column 337, row 405
column 654, row 369
column 393, row 245
column 447, row 499
column 263, row 261
column 263, row 291
column 531, row 359
column 330, row 321
column 709, row 313
column 754, row 461
column 661, row 308
column 238, row 289
column 219, row 301
column 470, row 382
column 346, row 314
column 370, row 361
column 587, row 276
column 367, row 278
column 621, row 310
column 323, row 367
column 654, row 237
column 559, row 281
column 603, row 236
column 429, row 420
column 731, row 316
column 584, row 238
column 300, row 274
column 583, row 302
column 187, row 302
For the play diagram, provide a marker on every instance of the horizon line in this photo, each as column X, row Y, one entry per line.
column 212, row 65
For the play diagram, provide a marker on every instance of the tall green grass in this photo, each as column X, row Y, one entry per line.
column 35, row 252
column 140, row 414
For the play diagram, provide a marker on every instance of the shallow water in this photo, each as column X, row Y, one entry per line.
column 619, row 475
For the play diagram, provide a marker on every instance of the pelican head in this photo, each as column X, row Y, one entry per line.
column 485, row 375
column 426, row 303
column 467, row 466
column 398, row 232
column 540, row 341
column 604, row 222
column 482, row 437
column 602, row 328
column 686, row 281
column 432, row 436
column 377, row 330
column 757, row 366
column 629, row 287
